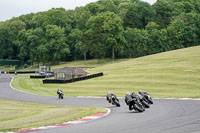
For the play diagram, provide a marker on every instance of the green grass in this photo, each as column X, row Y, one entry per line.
column 7, row 68
column 169, row 74
column 19, row 115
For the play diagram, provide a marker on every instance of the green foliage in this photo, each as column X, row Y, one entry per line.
column 163, row 12
column 175, row 34
column 137, row 42
column 56, row 45
column 139, row 14
column 157, row 39
column 105, row 31
column 106, row 28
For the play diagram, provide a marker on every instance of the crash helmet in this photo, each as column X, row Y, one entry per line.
column 133, row 93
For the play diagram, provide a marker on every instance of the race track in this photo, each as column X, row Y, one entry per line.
column 164, row 116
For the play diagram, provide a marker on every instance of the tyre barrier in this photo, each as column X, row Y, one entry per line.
column 40, row 76
column 37, row 76
column 57, row 81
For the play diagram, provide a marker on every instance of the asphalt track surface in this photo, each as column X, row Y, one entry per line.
column 164, row 116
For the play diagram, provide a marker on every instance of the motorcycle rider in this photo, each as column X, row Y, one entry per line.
column 142, row 92
column 128, row 99
column 59, row 92
column 109, row 97
column 133, row 94
column 146, row 95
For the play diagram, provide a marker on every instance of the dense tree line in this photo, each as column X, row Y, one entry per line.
column 106, row 28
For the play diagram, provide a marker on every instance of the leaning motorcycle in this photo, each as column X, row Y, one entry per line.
column 146, row 96
column 114, row 101
column 60, row 95
column 134, row 103
column 144, row 101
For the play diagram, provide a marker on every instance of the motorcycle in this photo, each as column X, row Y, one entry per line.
column 113, row 100
column 133, row 101
column 60, row 94
column 144, row 101
column 146, row 96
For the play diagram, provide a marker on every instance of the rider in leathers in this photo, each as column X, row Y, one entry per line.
column 59, row 92
column 128, row 99
column 109, row 96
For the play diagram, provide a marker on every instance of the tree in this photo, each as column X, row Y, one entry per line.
column 38, row 20
column 5, row 43
column 113, row 32
column 27, row 19
column 157, row 39
column 137, row 42
column 23, row 45
column 175, row 34
column 139, row 15
column 95, row 36
column 57, row 16
column 9, row 33
column 35, row 38
column 191, row 34
column 182, row 7
column 75, row 44
column 107, row 5
column 56, row 43
column 164, row 10
column 105, row 32
column 123, row 8
column 94, row 8
column 82, row 16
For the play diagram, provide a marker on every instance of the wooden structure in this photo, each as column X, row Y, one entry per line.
column 68, row 73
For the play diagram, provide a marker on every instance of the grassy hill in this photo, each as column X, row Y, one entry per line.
column 169, row 74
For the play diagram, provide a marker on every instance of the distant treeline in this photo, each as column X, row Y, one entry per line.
column 106, row 28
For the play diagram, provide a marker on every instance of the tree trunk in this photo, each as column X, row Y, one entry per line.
column 113, row 54
column 85, row 58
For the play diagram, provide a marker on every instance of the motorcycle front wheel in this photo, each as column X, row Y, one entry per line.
column 117, row 103
column 137, row 108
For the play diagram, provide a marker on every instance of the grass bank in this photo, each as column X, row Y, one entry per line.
column 169, row 74
column 19, row 115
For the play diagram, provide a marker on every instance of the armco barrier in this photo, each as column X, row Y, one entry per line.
column 56, row 81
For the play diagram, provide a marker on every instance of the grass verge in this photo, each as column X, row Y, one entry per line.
column 19, row 115
column 169, row 74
